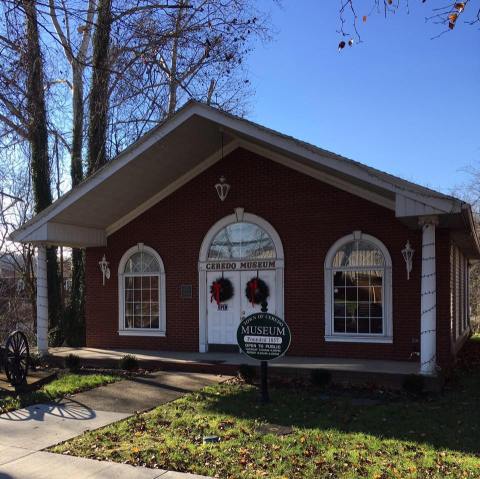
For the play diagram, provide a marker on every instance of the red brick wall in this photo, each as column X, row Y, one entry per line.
column 308, row 215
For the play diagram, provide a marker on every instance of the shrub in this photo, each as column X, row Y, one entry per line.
column 72, row 362
column 320, row 377
column 36, row 360
column 247, row 373
column 129, row 362
column 414, row 384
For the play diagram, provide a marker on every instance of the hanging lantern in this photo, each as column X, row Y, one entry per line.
column 407, row 254
column 222, row 188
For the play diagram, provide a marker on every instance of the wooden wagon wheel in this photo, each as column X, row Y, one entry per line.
column 17, row 356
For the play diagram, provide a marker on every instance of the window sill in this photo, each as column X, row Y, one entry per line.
column 359, row 339
column 139, row 332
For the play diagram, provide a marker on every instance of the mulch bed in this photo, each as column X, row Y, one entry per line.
column 469, row 357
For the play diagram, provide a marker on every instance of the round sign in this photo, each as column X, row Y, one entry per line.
column 263, row 336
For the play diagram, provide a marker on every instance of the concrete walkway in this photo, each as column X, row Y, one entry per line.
column 25, row 432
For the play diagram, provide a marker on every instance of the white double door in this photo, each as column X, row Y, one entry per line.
column 223, row 319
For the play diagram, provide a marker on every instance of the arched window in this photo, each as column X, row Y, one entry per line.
column 141, row 277
column 241, row 241
column 358, row 284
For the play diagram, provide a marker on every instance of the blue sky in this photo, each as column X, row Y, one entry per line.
column 399, row 101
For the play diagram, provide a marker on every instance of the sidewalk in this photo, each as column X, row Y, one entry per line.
column 26, row 432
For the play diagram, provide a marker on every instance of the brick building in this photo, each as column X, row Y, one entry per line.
column 187, row 230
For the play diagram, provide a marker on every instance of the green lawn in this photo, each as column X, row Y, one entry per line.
column 436, row 437
column 66, row 384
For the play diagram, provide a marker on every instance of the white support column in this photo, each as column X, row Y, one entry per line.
column 428, row 301
column 42, row 301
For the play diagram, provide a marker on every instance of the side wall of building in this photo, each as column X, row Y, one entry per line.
column 309, row 216
column 459, row 300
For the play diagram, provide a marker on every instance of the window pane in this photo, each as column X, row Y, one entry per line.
column 363, row 293
column 351, row 309
column 358, row 253
column 242, row 241
column 351, row 294
column 339, row 325
column 339, row 309
column 364, row 309
column 376, row 294
column 142, row 262
column 339, row 294
column 368, row 255
column 363, row 326
column 155, row 322
column 363, row 278
column 339, row 278
column 344, row 255
column 376, row 325
column 350, row 278
column 351, row 325
column 376, row 309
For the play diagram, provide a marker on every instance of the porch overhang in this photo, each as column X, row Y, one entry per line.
column 182, row 147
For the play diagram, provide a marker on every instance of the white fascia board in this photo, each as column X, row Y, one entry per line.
column 440, row 202
column 63, row 235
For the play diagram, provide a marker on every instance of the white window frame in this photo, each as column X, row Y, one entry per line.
column 387, row 335
column 122, row 330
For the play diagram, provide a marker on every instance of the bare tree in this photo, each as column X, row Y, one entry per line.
column 146, row 59
column 37, row 130
column 17, row 281
column 76, row 51
column 446, row 15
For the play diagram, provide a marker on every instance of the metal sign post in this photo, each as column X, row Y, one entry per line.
column 263, row 336
column 265, row 397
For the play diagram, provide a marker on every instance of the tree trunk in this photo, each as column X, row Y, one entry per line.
column 76, row 326
column 97, row 132
column 76, row 169
column 38, row 140
column 173, row 80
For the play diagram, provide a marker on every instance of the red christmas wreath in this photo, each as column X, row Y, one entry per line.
column 257, row 291
column 221, row 290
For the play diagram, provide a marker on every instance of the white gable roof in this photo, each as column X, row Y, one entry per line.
column 185, row 145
